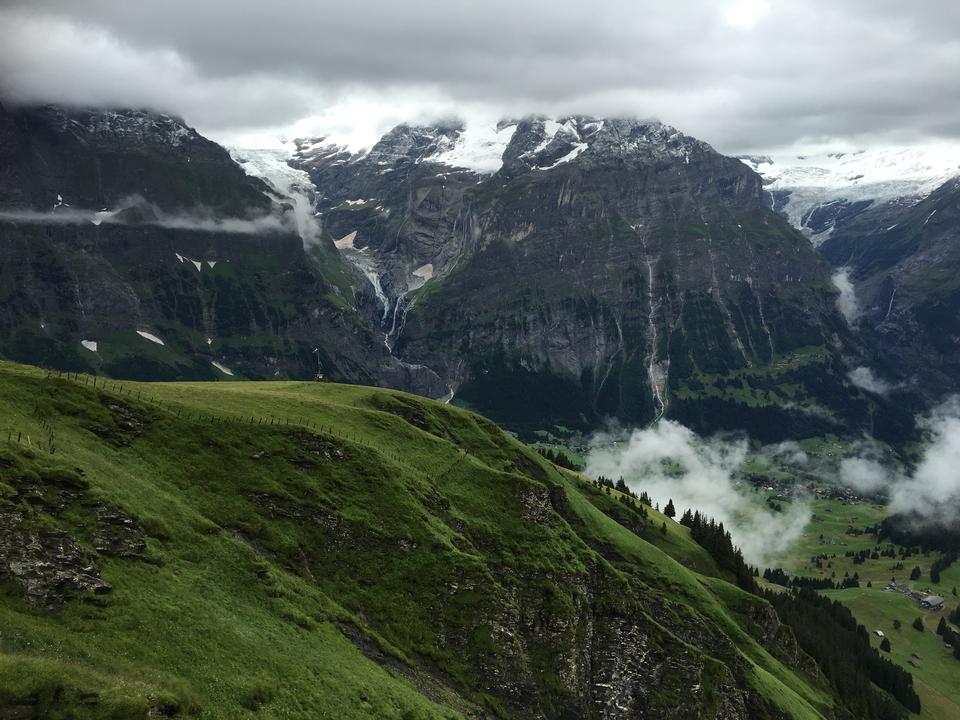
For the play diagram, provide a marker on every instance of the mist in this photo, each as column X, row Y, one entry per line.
column 669, row 461
column 866, row 379
column 929, row 496
column 146, row 213
column 847, row 302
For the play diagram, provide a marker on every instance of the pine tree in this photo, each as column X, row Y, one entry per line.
column 669, row 510
column 918, row 624
column 942, row 627
column 885, row 645
column 897, row 624
column 663, row 529
column 916, row 573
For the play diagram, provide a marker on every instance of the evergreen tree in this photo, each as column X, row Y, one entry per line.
column 918, row 624
column 916, row 573
column 669, row 510
column 885, row 645
column 663, row 529
column 942, row 627
column 897, row 624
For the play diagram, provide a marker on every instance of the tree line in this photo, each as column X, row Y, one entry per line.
column 827, row 631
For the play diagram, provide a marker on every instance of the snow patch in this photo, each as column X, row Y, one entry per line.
column 104, row 214
column 479, row 147
column 90, row 345
column 222, row 368
column 149, row 336
column 424, row 271
column 574, row 153
column 211, row 264
column 346, row 242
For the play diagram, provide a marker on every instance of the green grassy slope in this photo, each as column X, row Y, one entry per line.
column 312, row 550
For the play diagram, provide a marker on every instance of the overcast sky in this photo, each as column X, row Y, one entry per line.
column 742, row 74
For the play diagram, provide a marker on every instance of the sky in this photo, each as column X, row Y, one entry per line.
column 744, row 75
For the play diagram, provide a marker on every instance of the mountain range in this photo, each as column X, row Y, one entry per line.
column 541, row 271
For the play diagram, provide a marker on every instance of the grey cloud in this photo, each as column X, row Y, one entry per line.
column 742, row 74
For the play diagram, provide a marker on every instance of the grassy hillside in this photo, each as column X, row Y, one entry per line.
column 309, row 550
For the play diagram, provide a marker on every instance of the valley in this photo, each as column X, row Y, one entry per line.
column 403, row 540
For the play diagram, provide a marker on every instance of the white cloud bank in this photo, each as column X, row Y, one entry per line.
column 669, row 461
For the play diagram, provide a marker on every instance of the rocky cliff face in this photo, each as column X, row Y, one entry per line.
column 576, row 269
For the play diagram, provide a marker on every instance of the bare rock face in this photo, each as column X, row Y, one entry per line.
column 46, row 558
column 46, row 562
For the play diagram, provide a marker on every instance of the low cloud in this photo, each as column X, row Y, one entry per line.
column 930, row 495
column 847, row 302
column 866, row 379
column 866, row 475
column 137, row 211
column 787, row 452
column 669, row 461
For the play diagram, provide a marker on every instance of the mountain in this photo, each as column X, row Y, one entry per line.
column 820, row 192
column 562, row 271
column 133, row 247
column 282, row 549
column 544, row 272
